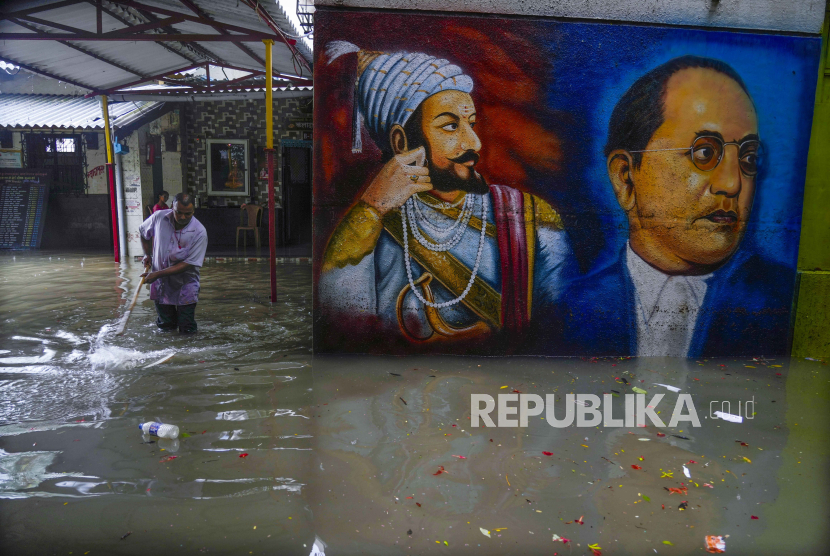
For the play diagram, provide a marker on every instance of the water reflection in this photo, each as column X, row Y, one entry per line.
column 362, row 455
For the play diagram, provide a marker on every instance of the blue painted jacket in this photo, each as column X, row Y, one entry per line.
column 746, row 311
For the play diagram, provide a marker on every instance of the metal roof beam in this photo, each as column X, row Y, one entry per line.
column 82, row 50
column 266, row 17
column 153, row 77
column 198, row 49
column 33, row 69
column 194, row 19
column 195, row 9
column 147, row 26
column 46, row 23
column 186, row 92
column 92, row 37
column 47, row 7
column 127, row 22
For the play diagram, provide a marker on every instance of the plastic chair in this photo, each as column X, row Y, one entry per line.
column 254, row 213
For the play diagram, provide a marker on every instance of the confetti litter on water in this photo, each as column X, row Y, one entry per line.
column 245, row 455
column 754, row 517
column 460, row 457
column 503, row 387
column 646, row 439
column 671, row 388
column 484, row 532
column 668, row 543
column 508, row 480
column 548, row 453
column 638, row 390
column 687, row 472
column 636, row 467
column 167, row 458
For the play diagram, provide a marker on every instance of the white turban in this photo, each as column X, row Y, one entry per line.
column 392, row 86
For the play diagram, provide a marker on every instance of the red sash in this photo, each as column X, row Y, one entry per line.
column 509, row 212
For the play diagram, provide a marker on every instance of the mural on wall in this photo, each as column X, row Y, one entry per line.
column 538, row 187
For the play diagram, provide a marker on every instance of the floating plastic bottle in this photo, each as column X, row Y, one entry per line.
column 160, row 430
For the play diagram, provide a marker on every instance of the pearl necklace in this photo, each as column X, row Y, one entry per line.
column 475, row 267
column 463, row 216
column 444, row 204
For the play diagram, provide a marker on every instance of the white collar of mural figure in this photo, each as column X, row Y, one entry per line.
column 650, row 283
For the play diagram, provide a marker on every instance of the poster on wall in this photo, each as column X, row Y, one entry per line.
column 227, row 161
column 556, row 188
column 24, row 195
column 11, row 158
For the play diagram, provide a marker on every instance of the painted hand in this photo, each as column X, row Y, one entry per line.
column 150, row 277
column 398, row 180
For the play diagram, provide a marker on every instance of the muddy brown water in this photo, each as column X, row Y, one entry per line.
column 368, row 455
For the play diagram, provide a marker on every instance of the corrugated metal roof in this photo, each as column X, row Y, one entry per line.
column 143, row 58
column 56, row 112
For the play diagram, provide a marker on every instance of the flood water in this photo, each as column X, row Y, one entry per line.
column 282, row 453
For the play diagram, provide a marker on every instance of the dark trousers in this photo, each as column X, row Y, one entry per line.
column 173, row 316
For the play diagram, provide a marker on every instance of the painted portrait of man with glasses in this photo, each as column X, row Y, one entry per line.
column 683, row 157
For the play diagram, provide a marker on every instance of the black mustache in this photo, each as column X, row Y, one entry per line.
column 466, row 157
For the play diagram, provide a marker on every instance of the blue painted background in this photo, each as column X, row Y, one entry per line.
column 593, row 66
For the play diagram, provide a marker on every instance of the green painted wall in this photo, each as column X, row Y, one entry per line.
column 811, row 337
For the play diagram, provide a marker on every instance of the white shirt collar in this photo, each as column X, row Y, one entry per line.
column 649, row 282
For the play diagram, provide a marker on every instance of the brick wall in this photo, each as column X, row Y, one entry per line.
column 237, row 119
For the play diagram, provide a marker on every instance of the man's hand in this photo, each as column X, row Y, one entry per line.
column 147, row 261
column 398, row 181
column 150, row 277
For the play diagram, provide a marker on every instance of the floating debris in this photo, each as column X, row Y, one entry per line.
column 715, row 544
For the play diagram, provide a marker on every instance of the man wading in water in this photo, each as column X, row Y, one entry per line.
column 174, row 244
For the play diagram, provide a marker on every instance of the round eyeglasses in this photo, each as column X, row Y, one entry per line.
column 706, row 153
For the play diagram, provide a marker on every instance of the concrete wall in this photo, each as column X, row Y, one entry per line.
column 801, row 16
column 95, row 159
column 135, row 191
column 544, row 92
column 812, row 323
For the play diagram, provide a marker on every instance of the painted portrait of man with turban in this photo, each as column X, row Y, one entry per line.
column 431, row 253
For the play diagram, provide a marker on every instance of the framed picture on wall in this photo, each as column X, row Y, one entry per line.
column 227, row 161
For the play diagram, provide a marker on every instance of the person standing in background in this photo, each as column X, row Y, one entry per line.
column 162, row 202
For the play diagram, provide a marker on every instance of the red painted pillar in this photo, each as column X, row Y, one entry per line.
column 113, row 210
column 272, row 225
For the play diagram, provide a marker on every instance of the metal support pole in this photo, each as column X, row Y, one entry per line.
column 111, row 177
column 269, row 137
column 119, row 196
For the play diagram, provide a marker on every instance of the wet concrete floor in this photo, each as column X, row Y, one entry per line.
column 282, row 453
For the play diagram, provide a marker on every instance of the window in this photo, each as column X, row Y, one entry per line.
column 63, row 154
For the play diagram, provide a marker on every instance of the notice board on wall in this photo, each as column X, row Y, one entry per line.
column 23, row 197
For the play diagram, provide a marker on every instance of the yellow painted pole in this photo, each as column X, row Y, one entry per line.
column 111, row 177
column 105, row 110
column 269, row 152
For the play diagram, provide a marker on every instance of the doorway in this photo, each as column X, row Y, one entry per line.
column 296, row 196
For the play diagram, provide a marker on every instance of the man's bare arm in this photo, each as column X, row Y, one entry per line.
column 178, row 268
column 147, row 246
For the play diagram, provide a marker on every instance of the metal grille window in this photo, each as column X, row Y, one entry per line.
column 64, row 155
